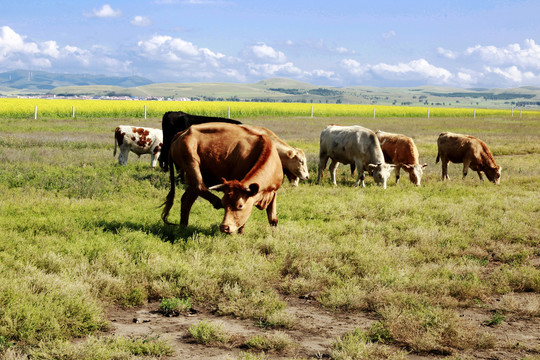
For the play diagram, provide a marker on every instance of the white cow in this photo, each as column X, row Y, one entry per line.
column 353, row 145
column 293, row 159
column 139, row 140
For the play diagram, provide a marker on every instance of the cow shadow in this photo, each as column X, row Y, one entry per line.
column 168, row 233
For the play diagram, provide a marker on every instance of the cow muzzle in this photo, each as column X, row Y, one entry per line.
column 227, row 229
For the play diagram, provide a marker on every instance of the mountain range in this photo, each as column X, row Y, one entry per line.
column 23, row 82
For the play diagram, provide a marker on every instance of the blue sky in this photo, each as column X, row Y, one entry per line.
column 459, row 43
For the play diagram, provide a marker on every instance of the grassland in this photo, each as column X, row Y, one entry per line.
column 80, row 235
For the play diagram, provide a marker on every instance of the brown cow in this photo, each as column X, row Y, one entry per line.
column 470, row 151
column 240, row 162
column 293, row 159
column 401, row 151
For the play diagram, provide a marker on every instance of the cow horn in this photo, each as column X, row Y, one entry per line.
column 218, row 187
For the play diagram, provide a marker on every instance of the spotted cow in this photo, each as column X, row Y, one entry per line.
column 140, row 140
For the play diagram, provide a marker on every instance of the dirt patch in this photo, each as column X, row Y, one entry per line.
column 314, row 332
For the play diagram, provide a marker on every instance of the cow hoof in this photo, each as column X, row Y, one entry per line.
column 273, row 223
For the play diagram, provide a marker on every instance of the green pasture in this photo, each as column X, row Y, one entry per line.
column 79, row 233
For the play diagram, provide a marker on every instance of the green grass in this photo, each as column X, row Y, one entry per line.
column 80, row 233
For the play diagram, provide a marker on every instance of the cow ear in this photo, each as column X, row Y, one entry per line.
column 423, row 166
column 253, row 189
column 290, row 154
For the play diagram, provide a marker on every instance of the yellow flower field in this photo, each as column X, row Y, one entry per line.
column 63, row 108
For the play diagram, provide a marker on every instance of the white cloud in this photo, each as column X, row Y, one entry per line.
column 268, row 53
column 269, row 70
column 11, row 43
column 389, row 34
column 354, row 67
column 175, row 49
column 106, row 11
column 449, row 54
column 527, row 55
column 413, row 70
column 141, row 21
column 17, row 52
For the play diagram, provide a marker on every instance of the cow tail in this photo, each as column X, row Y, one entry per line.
column 438, row 158
column 169, row 201
column 114, row 153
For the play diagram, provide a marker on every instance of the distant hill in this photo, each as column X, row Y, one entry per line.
column 275, row 89
column 41, row 81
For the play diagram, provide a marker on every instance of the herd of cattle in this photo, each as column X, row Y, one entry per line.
column 248, row 163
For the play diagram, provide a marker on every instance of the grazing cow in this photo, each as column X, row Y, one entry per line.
column 242, row 163
column 353, row 145
column 400, row 150
column 175, row 121
column 470, row 151
column 293, row 159
column 140, row 140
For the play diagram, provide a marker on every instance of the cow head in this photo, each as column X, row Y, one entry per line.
column 381, row 173
column 494, row 174
column 296, row 163
column 238, row 200
column 415, row 172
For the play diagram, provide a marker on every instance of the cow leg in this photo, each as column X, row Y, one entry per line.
column 188, row 198
column 333, row 168
column 123, row 157
column 153, row 161
column 444, row 164
column 361, row 176
column 271, row 211
column 322, row 165
column 213, row 199
column 397, row 170
column 480, row 175
column 465, row 168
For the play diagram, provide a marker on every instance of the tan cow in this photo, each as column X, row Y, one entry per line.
column 240, row 162
column 470, row 151
column 401, row 151
column 293, row 159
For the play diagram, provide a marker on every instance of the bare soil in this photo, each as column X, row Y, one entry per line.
column 314, row 331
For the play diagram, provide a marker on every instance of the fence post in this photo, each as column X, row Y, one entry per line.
column 35, row 112
column 428, row 113
column 73, row 111
column 229, row 112
column 512, row 112
column 311, row 110
column 475, row 113
column 374, row 113
column 145, row 112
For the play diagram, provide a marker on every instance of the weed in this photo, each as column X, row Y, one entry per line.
column 205, row 332
column 276, row 341
column 495, row 319
column 174, row 306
